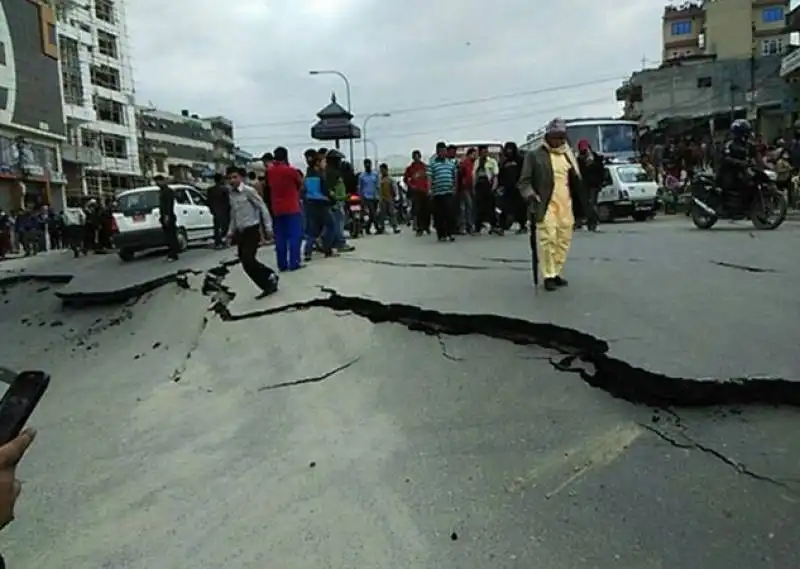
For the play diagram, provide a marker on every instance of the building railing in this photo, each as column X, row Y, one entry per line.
column 81, row 155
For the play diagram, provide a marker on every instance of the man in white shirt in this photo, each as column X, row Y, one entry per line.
column 249, row 216
column 75, row 229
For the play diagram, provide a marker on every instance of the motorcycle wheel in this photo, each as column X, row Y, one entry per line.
column 701, row 218
column 769, row 213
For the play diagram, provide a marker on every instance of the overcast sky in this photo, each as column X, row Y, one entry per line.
column 249, row 60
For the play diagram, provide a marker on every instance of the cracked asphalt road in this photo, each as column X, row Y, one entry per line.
column 172, row 437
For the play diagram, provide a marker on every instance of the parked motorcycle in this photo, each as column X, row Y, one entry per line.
column 761, row 201
column 356, row 216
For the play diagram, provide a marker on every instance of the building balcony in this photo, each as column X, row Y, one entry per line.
column 790, row 64
column 79, row 114
column 686, row 12
column 82, row 155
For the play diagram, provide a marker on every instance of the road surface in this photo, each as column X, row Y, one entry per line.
column 434, row 411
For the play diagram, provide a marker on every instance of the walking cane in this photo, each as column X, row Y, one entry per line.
column 534, row 244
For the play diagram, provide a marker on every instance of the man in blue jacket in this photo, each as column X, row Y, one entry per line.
column 318, row 201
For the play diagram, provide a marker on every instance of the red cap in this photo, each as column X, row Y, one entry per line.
column 583, row 144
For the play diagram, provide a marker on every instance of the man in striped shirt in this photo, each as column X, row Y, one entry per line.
column 442, row 173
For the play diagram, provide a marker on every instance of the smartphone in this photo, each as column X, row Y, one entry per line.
column 19, row 401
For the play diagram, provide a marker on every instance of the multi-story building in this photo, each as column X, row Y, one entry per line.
column 101, row 154
column 178, row 145
column 224, row 146
column 31, row 116
column 790, row 69
column 727, row 29
column 721, row 62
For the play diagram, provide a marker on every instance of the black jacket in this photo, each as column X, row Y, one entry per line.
column 218, row 199
column 592, row 170
column 166, row 202
column 737, row 156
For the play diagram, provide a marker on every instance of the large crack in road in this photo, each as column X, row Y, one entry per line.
column 597, row 367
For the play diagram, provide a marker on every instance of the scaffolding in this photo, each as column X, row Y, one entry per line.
column 109, row 60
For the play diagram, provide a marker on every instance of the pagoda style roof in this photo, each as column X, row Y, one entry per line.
column 334, row 111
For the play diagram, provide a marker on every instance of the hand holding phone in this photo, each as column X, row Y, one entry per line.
column 10, row 455
column 16, row 406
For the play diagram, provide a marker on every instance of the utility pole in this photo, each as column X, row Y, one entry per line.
column 144, row 148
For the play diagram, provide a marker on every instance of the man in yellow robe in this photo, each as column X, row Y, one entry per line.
column 551, row 183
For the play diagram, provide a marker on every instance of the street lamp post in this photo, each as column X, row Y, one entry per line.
column 374, row 148
column 364, row 129
column 347, row 93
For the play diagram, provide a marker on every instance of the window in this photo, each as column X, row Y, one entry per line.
column 182, row 197
column 91, row 139
column 47, row 26
column 772, row 47
column 71, row 78
column 197, row 197
column 139, row 201
column 107, row 44
column 681, row 28
column 773, row 15
column 104, row 10
column 114, row 146
column 703, row 82
column 159, row 165
column 632, row 174
column 3, row 60
column 106, row 76
column 109, row 111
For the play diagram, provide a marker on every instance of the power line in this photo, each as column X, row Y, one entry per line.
column 528, row 111
column 453, row 103
column 464, row 124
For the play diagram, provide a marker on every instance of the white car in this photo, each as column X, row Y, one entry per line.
column 627, row 191
column 138, row 225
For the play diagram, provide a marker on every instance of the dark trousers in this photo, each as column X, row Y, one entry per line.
column 288, row 240
column 373, row 212
column 247, row 242
column 319, row 223
column 484, row 205
column 170, row 229
column 421, row 206
column 89, row 236
column 222, row 223
column 443, row 215
column 74, row 238
column 517, row 207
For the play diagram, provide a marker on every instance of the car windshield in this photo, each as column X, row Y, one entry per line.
column 137, row 201
column 577, row 133
column 633, row 174
column 618, row 138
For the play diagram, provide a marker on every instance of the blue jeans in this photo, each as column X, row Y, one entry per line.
column 288, row 240
column 319, row 223
column 337, row 212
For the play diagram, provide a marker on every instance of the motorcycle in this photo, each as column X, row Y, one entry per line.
column 356, row 216
column 762, row 201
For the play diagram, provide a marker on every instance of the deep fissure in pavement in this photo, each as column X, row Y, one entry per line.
column 591, row 354
column 599, row 369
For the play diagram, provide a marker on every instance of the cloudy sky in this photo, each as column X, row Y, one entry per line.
column 463, row 70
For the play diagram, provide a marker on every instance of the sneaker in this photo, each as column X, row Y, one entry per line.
column 560, row 281
column 550, row 284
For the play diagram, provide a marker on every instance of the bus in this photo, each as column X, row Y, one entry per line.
column 495, row 148
column 614, row 138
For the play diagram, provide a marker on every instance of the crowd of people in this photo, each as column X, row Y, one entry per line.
column 81, row 227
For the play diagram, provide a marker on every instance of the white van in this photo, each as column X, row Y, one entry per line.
column 138, row 225
column 627, row 191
